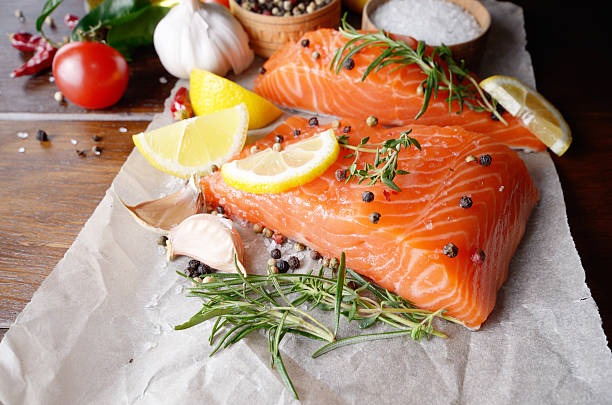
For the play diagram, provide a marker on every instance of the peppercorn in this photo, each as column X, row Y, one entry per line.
column 96, row 138
column 346, row 129
column 340, row 174
column 189, row 272
column 293, row 262
column 485, row 160
column 334, row 263
column 267, row 232
column 374, row 217
column 348, row 64
column 279, row 139
column 372, row 121
column 262, row 70
column 208, row 279
column 214, row 168
column 305, row 43
column 325, row 262
column 41, row 135
column 96, row 150
column 254, row 149
column 313, row 122
column 278, row 238
column 220, row 209
column 471, row 158
column 500, row 110
column 298, row 247
column 275, row 253
column 479, row 256
column 197, row 280
column 272, row 262
column 282, row 266
column 314, row 255
column 161, row 241
column 257, row 228
column 316, row 55
column 367, row 196
column 450, row 250
column 81, row 153
column 204, row 269
column 465, row 202
column 296, row 132
column 352, row 285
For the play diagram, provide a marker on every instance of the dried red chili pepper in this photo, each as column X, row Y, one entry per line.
column 43, row 54
column 71, row 20
column 24, row 41
column 181, row 105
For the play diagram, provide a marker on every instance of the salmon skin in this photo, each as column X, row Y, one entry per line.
column 293, row 78
column 403, row 252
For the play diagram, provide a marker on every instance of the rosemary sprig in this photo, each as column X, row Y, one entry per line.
column 449, row 78
column 384, row 168
column 283, row 303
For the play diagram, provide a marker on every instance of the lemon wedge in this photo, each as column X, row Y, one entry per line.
column 537, row 113
column 194, row 145
column 271, row 171
column 210, row 93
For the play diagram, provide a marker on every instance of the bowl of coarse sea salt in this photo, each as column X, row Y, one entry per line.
column 461, row 25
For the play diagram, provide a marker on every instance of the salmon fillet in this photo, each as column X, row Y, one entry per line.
column 403, row 252
column 293, row 78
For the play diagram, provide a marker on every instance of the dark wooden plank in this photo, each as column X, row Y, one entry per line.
column 47, row 194
column 145, row 94
column 570, row 58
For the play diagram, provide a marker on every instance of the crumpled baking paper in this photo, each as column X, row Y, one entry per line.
column 100, row 328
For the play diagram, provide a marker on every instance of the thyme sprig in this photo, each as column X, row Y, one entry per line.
column 384, row 168
column 283, row 303
column 451, row 78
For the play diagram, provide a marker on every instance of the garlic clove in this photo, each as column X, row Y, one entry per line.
column 169, row 211
column 210, row 239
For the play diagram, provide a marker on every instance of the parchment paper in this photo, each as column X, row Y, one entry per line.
column 99, row 329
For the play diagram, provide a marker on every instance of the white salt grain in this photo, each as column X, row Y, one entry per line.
column 22, row 135
column 163, row 80
column 122, row 129
column 21, row 150
column 74, row 141
column 435, row 22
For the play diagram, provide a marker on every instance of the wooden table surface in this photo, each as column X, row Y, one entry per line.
column 48, row 192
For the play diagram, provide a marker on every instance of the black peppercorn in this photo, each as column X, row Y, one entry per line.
column 189, row 272
column 340, row 174
column 279, row 138
column 352, row 285
column 313, row 122
column 262, row 70
column 275, row 253
column 479, row 256
column 374, row 217
column 485, row 160
column 282, row 266
column 193, row 263
column 293, row 262
column 346, row 129
column 41, row 135
column 450, row 250
column 348, row 64
column 500, row 110
column 367, row 196
column 203, row 269
column 296, row 132
column 314, row 255
column 465, row 202
column 305, row 43
column 96, row 138
column 220, row 209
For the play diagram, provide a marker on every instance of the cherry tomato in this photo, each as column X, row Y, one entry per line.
column 222, row 2
column 90, row 74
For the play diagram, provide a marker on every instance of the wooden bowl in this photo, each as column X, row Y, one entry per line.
column 268, row 33
column 471, row 51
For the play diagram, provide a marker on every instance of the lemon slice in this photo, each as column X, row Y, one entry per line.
column 210, row 93
column 270, row 171
column 194, row 145
column 537, row 113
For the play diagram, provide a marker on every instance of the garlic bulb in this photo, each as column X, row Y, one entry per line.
column 209, row 239
column 204, row 36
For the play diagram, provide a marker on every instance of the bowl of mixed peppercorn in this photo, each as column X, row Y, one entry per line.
column 271, row 23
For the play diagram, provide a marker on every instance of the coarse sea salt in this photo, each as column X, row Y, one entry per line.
column 435, row 22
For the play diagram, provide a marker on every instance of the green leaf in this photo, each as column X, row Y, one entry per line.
column 107, row 12
column 389, row 183
column 358, row 339
column 339, row 290
column 367, row 322
column 278, row 363
column 128, row 33
column 48, row 8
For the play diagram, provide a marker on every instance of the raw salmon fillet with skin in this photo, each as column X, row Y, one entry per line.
column 403, row 252
column 293, row 78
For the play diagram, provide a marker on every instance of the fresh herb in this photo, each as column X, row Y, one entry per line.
column 283, row 303
column 443, row 73
column 384, row 168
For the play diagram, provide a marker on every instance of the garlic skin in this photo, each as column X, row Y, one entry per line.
column 210, row 239
column 204, row 36
column 169, row 211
